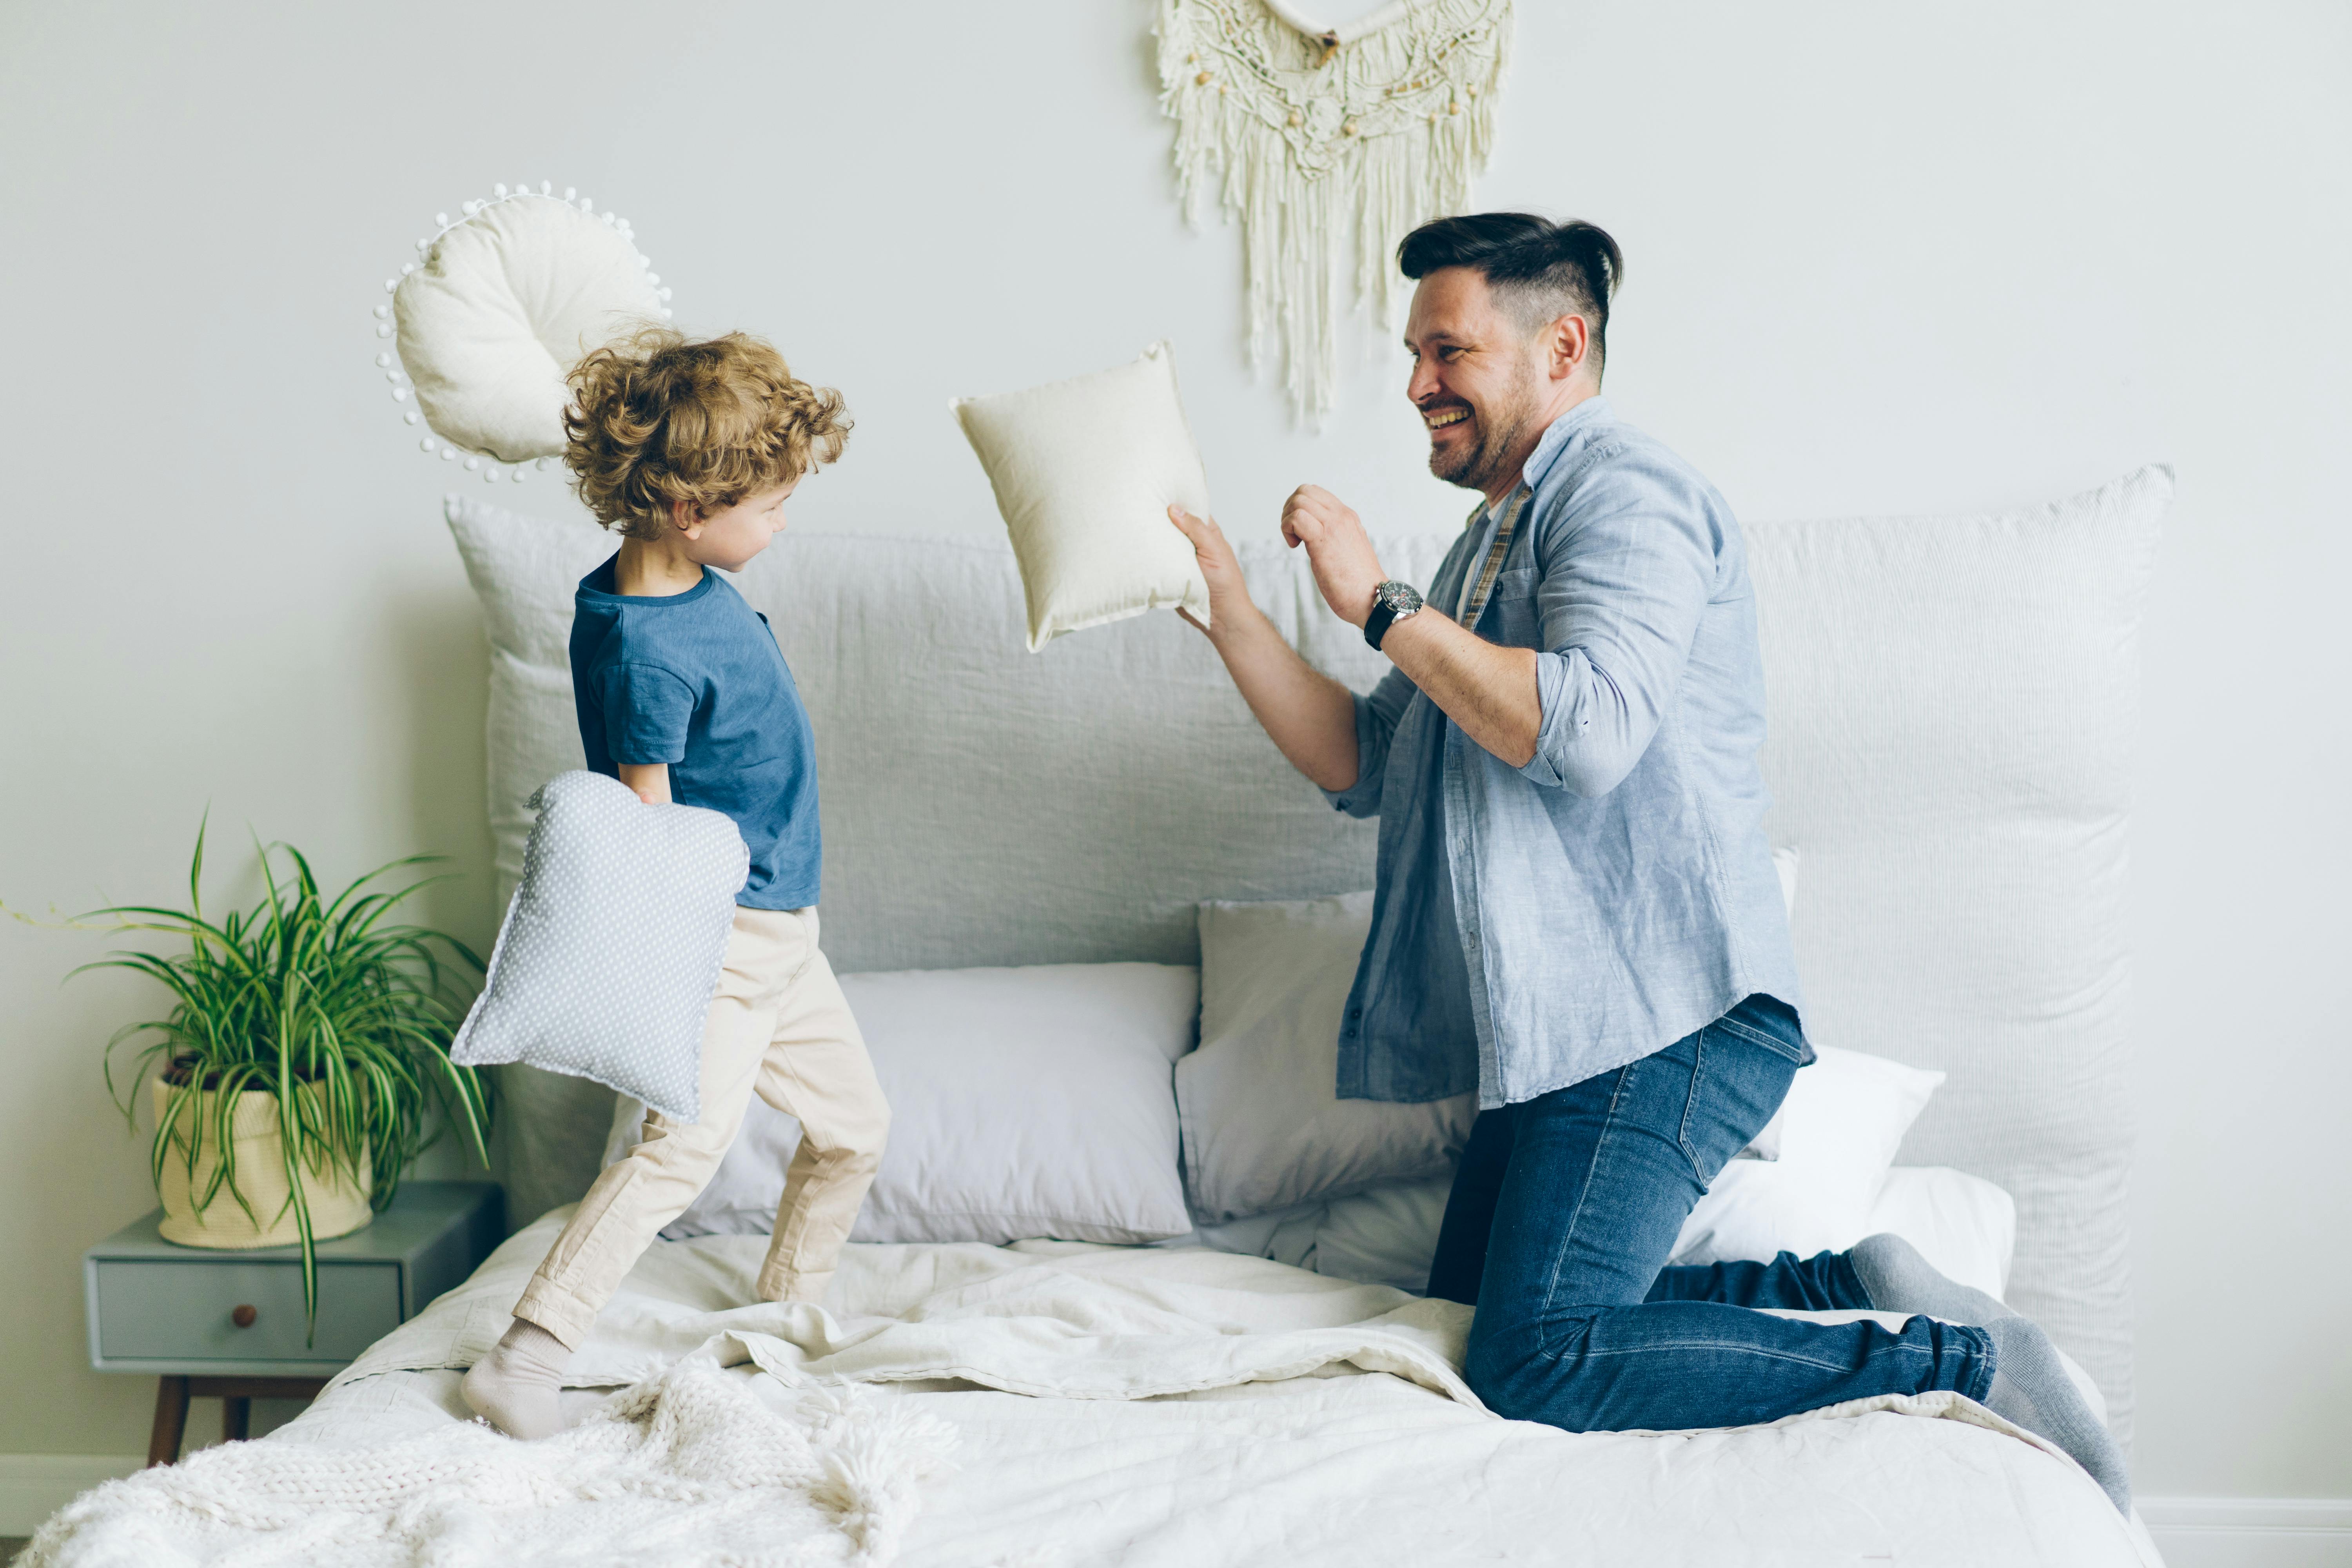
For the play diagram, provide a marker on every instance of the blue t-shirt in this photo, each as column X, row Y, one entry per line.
column 696, row 680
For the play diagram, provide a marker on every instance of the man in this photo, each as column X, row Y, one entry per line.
column 1576, row 910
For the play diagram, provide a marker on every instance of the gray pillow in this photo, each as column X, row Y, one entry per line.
column 1263, row 1126
column 605, row 963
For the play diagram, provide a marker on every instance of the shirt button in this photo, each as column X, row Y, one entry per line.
column 1355, row 1012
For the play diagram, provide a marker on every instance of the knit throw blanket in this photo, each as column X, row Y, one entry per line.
column 687, row 1469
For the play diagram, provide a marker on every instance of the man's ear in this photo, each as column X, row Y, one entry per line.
column 1571, row 340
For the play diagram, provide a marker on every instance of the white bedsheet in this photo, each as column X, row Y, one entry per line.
column 1154, row 1406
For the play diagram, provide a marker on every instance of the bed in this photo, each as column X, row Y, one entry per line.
column 1953, row 713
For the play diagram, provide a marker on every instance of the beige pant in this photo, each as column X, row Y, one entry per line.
column 778, row 1024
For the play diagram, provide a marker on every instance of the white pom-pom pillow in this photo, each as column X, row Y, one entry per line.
column 505, row 304
column 1085, row 471
column 610, row 948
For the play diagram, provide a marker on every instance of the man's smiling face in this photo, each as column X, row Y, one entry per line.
column 1477, row 379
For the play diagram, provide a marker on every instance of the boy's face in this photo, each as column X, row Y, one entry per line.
column 730, row 537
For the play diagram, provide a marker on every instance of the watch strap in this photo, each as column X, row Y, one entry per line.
column 1391, row 602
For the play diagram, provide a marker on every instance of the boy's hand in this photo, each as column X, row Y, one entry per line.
column 650, row 780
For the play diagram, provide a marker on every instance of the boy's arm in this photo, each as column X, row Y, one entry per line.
column 647, row 710
column 650, row 780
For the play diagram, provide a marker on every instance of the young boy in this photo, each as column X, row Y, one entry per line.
column 689, row 450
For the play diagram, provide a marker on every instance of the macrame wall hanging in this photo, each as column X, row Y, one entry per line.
column 1330, row 143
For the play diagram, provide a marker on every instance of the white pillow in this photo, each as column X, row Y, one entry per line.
column 504, row 305
column 1023, row 1102
column 1964, row 1224
column 611, row 947
column 1844, row 1119
column 1765, row 1144
column 1264, row 1125
column 1383, row 1236
column 1085, row 471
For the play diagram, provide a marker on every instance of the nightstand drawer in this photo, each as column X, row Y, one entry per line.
column 180, row 1311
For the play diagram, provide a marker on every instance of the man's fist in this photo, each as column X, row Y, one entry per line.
column 1346, row 568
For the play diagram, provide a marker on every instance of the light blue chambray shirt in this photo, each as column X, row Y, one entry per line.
column 1534, row 927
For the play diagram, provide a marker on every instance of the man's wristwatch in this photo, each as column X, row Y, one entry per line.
column 1391, row 602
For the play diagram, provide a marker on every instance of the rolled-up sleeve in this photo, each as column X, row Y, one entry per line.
column 1376, row 725
column 1625, row 576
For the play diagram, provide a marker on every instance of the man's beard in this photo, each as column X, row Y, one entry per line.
column 1500, row 429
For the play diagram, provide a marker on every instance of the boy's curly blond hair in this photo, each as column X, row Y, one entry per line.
column 657, row 417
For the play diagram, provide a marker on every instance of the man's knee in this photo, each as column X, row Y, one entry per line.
column 1531, row 1374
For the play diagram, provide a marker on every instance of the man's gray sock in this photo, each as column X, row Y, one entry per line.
column 515, row 1387
column 2030, row 1387
column 1899, row 1280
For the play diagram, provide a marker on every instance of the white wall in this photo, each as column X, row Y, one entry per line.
column 1880, row 259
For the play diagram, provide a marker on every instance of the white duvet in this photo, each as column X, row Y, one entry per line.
column 1151, row 1407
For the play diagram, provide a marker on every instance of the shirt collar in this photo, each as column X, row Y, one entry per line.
column 1559, row 434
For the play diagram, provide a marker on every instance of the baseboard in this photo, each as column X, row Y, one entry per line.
column 2251, row 1531
column 2191, row 1531
column 34, row 1486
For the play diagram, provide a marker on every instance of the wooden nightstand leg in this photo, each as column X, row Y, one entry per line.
column 170, row 1420
column 237, row 1415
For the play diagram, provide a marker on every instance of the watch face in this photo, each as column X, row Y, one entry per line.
column 1397, row 598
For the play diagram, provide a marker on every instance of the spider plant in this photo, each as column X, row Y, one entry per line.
column 300, row 992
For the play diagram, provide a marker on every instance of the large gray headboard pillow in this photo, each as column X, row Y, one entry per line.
column 1953, row 722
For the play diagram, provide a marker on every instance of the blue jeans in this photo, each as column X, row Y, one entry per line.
column 1565, row 1210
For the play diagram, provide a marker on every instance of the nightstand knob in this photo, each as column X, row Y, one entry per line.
column 243, row 1316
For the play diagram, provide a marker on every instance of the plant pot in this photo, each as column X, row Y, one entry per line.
column 338, row 1204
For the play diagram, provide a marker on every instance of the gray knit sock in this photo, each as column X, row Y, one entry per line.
column 1899, row 1280
column 514, row 1387
column 2029, row 1387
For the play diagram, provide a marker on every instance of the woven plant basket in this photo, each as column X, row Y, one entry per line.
column 338, row 1204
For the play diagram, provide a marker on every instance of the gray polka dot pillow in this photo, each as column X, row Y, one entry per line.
column 610, row 951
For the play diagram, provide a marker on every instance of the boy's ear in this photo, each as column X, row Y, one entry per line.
column 684, row 516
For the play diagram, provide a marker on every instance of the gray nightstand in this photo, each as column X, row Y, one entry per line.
column 230, row 1325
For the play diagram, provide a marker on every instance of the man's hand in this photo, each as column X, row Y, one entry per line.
column 1310, row 716
column 1346, row 568
column 1221, row 569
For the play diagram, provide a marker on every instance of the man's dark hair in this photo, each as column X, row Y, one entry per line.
column 1540, row 270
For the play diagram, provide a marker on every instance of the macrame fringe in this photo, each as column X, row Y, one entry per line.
column 1329, row 155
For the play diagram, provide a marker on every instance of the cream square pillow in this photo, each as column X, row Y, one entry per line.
column 1085, row 471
